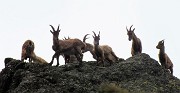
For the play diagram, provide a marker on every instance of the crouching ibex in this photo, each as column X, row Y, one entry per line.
column 103, row 52
column 66, row 47
column 136, row 42
column 163, row 57
column 28, row 52
column 89, row 47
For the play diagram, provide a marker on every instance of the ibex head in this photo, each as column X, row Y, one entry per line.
column 160, row 44
column 30, row 48
column 55, row 32
column 130, row 32
column 96, row 38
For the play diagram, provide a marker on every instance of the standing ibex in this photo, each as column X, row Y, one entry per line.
column 163, row 57
column 89, row 47
column 69, row 58
column 67, row 47
column 103, row 52
column 136, row 42
column 28, row 52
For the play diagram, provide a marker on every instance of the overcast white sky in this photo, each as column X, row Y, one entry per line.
column 154, row 20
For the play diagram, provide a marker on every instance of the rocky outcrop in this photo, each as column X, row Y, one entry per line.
column 137, row 74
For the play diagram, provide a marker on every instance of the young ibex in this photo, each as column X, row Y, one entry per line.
column 66, row 47
column 28, row 52
column 163, row 57
column 103, row 52
column 136, row 42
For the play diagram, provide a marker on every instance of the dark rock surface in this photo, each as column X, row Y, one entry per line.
column 138, row 74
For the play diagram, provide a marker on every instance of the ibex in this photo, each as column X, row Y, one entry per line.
column 103, row 52
column 69, row 58
column 89, row 47
column 66, row 47
column 163, row 57
column 136, row 42
column 28, row 52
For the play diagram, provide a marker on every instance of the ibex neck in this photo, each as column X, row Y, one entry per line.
column 89, row 47
column 134, row 37
column 162, row 50
column 96, row 47
column 55, row 41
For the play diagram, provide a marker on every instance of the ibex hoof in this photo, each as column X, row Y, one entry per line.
column 50, row 64
column 57, row 65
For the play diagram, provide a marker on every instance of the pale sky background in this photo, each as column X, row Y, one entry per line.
column 154, row 20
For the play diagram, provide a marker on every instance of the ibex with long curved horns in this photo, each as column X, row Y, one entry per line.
column 163, row 57
column 67, row 47
column 89, row 47
column 136, row 42
column 103, row 52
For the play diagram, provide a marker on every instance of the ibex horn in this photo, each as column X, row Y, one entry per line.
column 58, row 28
column 94, row 33
column 99, row 34
column 52, row 27
column 84, row 39
column 127, row 28
column 130, row 27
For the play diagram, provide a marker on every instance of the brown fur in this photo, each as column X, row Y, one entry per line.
column 28, row 52
column 66, row 47
column 103, row 52
column 69, row 58
column 163, row 57
column 37, row 59
column 89, row 47
column 136, row 42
